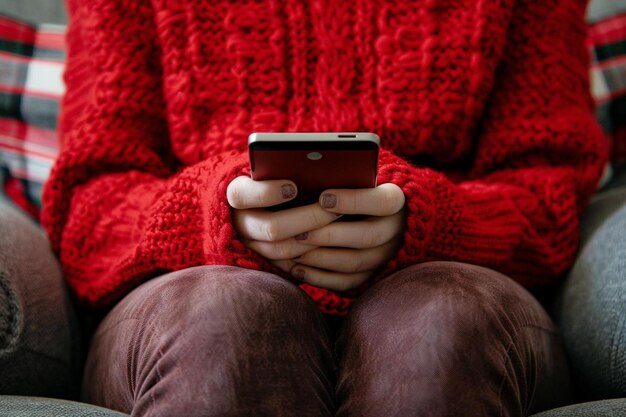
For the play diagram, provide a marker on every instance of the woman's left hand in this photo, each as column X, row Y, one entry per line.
column 346, row 254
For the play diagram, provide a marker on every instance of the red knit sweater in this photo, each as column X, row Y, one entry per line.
column 482, row 108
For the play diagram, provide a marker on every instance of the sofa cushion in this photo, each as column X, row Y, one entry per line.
column 605, row 408
column 15, row 406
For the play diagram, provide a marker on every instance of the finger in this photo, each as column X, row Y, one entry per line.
column 369, row 233
column 384, row 200
column 330, row 280
column 348, row 261
column 243, row 192
column 284, row 265
column 267, row 226
column 285, row 249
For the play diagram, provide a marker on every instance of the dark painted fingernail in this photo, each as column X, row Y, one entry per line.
column 298, row 273
column 288, row 190
column 302, row 236
column 329, row 200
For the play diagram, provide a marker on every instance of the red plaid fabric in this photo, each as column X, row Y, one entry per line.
column 607, row 39
column 31, row 66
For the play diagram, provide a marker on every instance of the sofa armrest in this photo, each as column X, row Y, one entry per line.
column 590, row 308
column 38, row 331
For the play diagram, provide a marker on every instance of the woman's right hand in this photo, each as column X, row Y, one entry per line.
column 271, row 234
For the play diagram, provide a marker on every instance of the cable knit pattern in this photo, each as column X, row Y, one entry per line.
column 482, row 107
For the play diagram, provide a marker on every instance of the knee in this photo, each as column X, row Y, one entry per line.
column 217, row 296
column 445, row 312
column 449, row 298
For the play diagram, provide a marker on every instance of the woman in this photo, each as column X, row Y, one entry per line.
column 490, row 152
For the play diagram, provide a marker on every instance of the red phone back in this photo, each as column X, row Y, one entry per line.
column 335, row 168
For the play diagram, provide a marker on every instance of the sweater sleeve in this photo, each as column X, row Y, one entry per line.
column 538, row 157
column 117, row 208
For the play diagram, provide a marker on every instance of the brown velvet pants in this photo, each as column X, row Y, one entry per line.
column 437, row 339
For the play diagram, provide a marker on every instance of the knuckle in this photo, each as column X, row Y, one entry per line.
column 259, row 198
column 329, row 236
column 354, row 202
column 389, row 202
column 271, row 231
column 315, row 218
column 398, row 198
column 233, row 195
column 370, row 237
column 392, row 199
column 280, row 252
column 356, row 263
column 350, row 267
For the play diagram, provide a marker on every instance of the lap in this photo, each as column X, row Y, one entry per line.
column 225, row 333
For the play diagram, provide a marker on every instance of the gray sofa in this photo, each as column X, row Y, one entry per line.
column 40, row 341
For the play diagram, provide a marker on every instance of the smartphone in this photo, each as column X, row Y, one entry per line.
column 315, row 161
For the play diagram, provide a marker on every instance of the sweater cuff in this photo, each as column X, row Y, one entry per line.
column 476, row 222
column 421, row 189
column 220, row 242
column 221, row 245
column 469, row 222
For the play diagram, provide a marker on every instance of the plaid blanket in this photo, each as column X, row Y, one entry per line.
column 31, row 67
column 607, row 39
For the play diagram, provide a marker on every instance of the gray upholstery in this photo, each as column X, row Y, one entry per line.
column 38, row 337
column 13, row 406
column 37, row 11
column 606, row 408
column 601, row 9
column 591, row 307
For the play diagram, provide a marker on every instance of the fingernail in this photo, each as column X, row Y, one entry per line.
column 302, row 236
column 298, row 273
column 288, row 190
column 329, row 200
